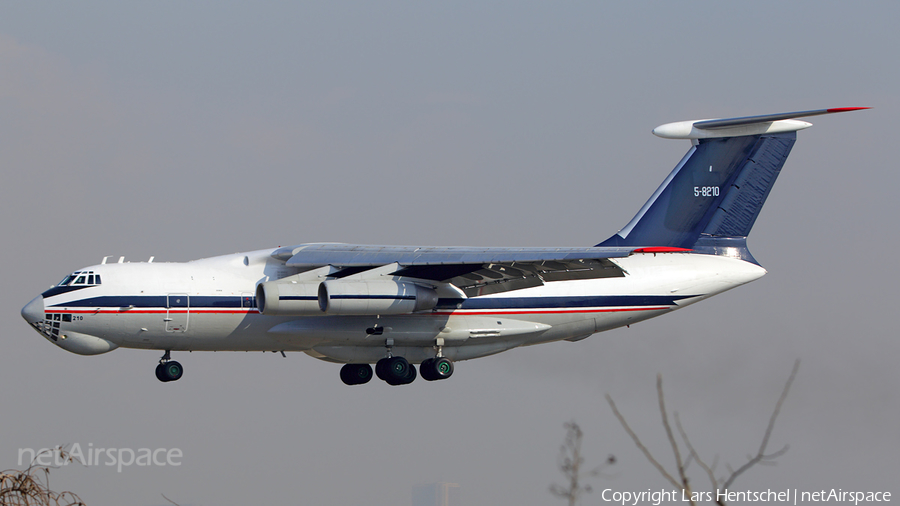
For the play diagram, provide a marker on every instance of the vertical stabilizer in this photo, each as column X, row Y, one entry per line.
column 712, row 198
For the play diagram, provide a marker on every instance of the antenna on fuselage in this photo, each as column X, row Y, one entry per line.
column 103, row 262
column 121, row 260
column 151, row 260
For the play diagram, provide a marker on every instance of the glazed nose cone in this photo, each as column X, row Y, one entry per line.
column 33, row 312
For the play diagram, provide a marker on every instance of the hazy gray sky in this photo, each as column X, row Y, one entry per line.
column 185, row 130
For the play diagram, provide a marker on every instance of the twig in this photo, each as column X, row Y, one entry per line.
column 27, row 487
column 685, row 485
column 171, row 501
column 687, row 442
column 761, row 455
column 640, row 445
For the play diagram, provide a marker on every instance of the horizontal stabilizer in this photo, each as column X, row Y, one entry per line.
column 747, row 125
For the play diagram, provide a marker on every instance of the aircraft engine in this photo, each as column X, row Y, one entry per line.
column 382, row 297
column 287, row 298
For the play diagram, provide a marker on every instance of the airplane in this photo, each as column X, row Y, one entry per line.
column 397, row 306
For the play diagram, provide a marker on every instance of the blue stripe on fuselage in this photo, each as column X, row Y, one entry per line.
column 56, row 290
column 195, row 301
column 559, row 302
column 205, row 301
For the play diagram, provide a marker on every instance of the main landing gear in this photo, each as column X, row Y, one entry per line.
column 437, row 368
column 356, row 374
column 397, row 370
column 168, row 369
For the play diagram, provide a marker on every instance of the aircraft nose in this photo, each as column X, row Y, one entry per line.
column 33, row 312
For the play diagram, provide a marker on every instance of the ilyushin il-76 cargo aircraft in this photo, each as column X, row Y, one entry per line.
column 396, row 306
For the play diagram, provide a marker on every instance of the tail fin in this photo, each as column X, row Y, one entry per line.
column 711, row 199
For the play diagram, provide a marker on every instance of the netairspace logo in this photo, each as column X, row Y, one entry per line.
column 110, row 457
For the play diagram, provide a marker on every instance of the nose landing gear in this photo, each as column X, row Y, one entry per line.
column 168, row 369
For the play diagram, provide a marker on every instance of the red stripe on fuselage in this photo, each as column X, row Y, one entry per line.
column 661, row 249
column 435, row 313
column 549, row 311
column 150, row 311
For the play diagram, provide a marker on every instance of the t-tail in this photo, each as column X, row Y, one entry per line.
column 710, row 201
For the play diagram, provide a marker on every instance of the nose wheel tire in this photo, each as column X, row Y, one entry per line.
column 356, row 374
column 169, row 371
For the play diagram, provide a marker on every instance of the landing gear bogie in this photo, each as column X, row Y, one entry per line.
column 437, row 368
column 356, row 374
column 398, row 371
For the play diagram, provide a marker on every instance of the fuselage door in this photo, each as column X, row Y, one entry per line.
column 178, row 311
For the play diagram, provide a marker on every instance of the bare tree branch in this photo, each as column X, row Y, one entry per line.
column 28, row 487
column 570, row 461
column 570, row 464
column 710, row 473
column 640, row 445
column 171, row 501
column 685, row 485
column 761, row 457
column 687, row 442
column 761, row 454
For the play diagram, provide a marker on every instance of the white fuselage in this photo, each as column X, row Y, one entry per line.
column 208, row 305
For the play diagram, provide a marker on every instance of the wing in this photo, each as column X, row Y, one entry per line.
column 475, row 271
column 361, row 255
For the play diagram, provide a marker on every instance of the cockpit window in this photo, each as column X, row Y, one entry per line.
column 87, row 278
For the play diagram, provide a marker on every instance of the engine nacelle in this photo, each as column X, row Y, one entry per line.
column 287, row 298
column 378, row 297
